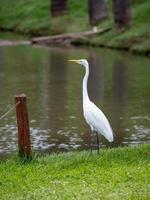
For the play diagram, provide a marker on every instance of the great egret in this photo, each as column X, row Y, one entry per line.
column 94, row 117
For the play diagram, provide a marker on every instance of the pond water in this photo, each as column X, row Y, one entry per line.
column 119, row 84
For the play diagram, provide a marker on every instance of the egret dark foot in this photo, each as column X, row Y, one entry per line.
column 97, row 143
column 92, row 143
column 91, row 148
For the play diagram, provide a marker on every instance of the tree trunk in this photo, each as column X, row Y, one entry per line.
column 97, row 11
column 122, row 14
column 59, row 7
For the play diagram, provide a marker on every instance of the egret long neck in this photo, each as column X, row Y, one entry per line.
column 84, row 84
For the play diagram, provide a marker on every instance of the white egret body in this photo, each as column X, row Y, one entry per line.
column 92, row 114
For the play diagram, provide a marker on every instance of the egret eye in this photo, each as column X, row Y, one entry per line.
column 82, row 62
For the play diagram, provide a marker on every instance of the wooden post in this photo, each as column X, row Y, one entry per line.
column 24, row 143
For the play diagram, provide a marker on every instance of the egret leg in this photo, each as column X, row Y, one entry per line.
column 97, row 142
column 92, row 141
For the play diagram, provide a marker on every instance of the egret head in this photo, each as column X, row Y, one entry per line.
column 81, row 62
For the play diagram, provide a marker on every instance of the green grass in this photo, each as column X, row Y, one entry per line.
column 122, row 173
column 138, row 34
column 34, row 18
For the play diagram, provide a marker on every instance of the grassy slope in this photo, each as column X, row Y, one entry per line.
column 122, row 173
column 33, row 17
column 136, row 38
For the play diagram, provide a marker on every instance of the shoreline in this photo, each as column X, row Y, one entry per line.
column 78, row 42
column 34, row 19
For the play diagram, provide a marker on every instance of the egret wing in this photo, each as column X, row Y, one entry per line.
column 98, row 121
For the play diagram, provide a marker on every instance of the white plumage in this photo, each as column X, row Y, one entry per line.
column 97, row 120
column 93, row 115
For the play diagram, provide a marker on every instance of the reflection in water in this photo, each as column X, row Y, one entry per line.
column 57, row 96
column 1, row 71
column 119, row 95
column 54, row 90
column 96, row 78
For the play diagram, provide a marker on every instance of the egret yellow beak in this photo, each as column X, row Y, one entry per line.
column 76, row 61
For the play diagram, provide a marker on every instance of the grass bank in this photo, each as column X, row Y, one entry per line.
column 122, row 173
column 33, row 17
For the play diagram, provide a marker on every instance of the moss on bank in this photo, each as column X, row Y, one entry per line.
column 33, row 17
column 122, row 173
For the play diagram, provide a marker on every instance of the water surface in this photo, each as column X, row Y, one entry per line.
column 119, row 84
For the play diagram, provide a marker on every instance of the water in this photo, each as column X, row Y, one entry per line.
column 118, row 83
